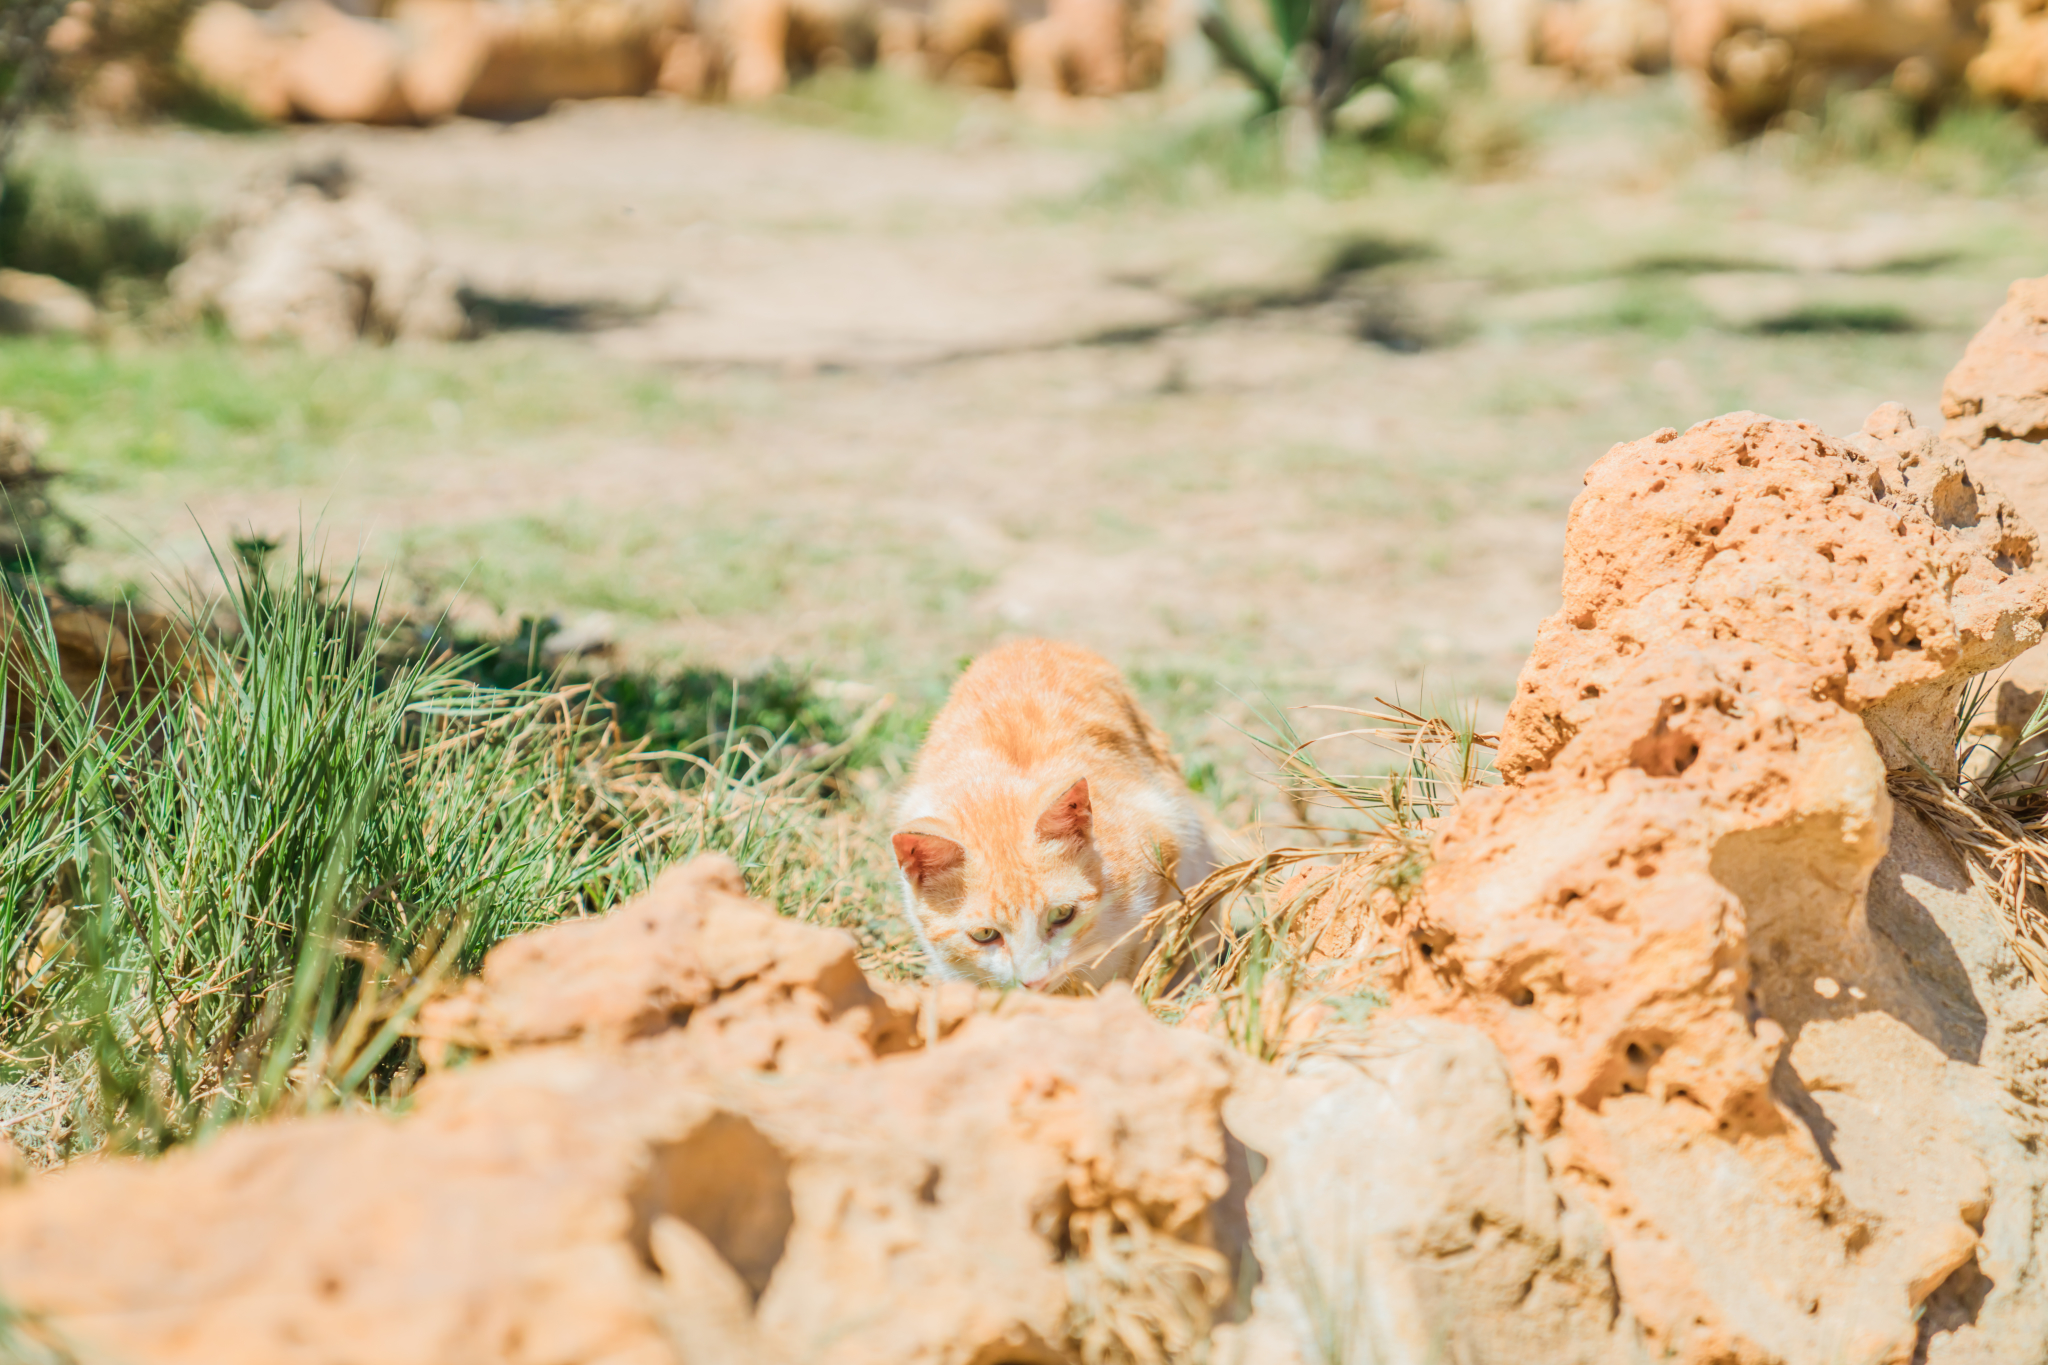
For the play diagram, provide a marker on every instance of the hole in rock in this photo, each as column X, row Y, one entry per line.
column 729, row 1183
column 1522, row 997
column 928, row 1190
column 1549, row 1067
column 1664, row 753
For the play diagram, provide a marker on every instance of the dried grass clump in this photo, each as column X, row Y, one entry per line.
column 1139, row 1296
column 1276, row 947
column 1994, row 814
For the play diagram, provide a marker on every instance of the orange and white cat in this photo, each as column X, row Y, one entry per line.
column 1046, row 817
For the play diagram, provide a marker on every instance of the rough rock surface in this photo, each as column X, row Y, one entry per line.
column 1781, row 1090
column 1999, row 390
column 1408, row 1217
column 1876, row 564
column 1996, row 403
column 310, row 257
column 664, row 1188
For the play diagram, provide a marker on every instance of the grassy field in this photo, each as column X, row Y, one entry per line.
column 895, row 373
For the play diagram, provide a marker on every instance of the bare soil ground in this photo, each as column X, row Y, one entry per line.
column 782, row 385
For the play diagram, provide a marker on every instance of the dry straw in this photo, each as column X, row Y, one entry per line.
column 1994, row 814
column 1248, row 943
column 1138, row 1296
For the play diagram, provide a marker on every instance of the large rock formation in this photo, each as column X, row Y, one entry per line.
column 1763, row 1025
column 1996, row 403
column 699, row 1136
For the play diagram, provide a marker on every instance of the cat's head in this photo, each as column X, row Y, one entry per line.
column 1008, row 890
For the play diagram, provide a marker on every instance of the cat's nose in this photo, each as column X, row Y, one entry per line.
column 1038, row 984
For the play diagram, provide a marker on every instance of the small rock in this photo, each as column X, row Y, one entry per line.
column 37, row 305
column 307, row 255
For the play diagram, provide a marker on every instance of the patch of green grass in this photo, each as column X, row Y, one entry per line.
column 1518, row 395
column 586, row 557
column 875, row 103
column 226, row 895
column 1659, row 305
column 1216, row 154
column 1981, row 149
column 1975, row 148
column 692, row 712
column 278, row 414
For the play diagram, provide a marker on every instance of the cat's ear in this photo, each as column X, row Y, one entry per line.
column 1069, row 819
column 925, row 856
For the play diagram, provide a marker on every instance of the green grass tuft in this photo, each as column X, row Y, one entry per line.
column 228, row 898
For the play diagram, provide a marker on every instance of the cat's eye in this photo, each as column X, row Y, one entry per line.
column 984, row 935
column 1061, row 914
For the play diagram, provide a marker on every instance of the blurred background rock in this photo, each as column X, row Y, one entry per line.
column 416, row 61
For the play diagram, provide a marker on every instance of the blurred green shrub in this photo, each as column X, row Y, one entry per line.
column 53, row 222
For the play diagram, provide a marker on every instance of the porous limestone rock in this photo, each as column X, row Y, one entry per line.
column 1874, row 563
column 647, row 1188
column 1998, row 391
column 1996, row 403
column 308, row 256
column 675, row 956
column 1760, row 1074
column 1407, row 1216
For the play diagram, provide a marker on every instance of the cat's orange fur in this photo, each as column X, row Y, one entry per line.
column 1046, row 817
